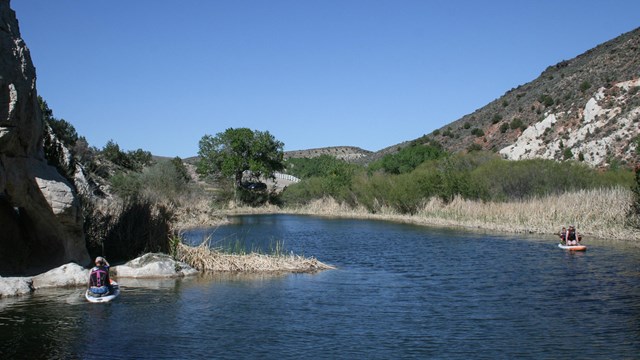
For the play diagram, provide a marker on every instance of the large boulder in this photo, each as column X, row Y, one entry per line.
column 68, row 275
column 153, row 265
column 40, row 216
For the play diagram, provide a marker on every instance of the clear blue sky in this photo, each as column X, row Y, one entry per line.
column 159, row 74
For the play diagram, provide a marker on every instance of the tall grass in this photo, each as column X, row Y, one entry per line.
column 598, row 212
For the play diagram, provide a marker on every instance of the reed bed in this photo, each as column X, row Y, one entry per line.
column 205, row 259
column 599, row 213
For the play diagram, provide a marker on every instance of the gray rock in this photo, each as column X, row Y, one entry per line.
column 68, row 275
column 153, row 265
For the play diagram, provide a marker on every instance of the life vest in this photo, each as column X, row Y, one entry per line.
column 571, row 235
column 99, row 277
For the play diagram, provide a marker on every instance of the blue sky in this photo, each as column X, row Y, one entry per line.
column 159, row 74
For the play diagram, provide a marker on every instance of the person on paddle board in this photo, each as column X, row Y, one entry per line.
column 572, row 236
column 99, row 282
column 563, row 235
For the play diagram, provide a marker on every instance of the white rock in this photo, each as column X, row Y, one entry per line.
column 66, row 275
column 153, row 265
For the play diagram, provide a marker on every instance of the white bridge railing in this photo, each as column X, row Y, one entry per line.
column 286, row 177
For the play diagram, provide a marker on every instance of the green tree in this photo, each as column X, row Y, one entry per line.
column 235, row 151
column 181, row 169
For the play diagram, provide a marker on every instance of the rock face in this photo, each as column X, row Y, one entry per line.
column 40, row 214
column 609, row 113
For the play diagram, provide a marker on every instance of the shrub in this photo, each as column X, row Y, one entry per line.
column 496, row 118
column 474, row 147
column 477, row 132
column 567, row 154
column 546, row 100
column 515, row 123
column 585, row 85
column 504, row 127
column 466, row 125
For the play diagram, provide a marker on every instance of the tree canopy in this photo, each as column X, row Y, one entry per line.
column 235, row 151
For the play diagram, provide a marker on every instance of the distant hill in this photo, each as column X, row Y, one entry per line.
column 586, row 108
column 348, row 153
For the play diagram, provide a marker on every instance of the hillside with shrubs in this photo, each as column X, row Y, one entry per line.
column 585, row 109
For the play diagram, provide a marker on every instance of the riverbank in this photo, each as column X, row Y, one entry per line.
column 598, row 213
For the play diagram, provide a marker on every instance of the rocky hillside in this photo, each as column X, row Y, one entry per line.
column 348, row 153
column 586, row 108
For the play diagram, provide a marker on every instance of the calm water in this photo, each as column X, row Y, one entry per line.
column 400, row 291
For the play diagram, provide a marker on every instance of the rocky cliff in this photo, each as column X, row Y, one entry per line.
column 40, row 219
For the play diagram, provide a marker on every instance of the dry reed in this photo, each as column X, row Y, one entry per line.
column 599, row 213
column 205, row 259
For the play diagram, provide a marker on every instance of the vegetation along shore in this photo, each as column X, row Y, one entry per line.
column 600, row 213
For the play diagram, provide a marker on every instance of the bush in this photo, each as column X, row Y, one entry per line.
column 515, row 123
column 567, row 154
column 408, row 158
column 474, row 147
column 477, row 132
column 546, row 100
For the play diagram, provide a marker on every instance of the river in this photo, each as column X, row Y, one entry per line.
column 399, row 291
